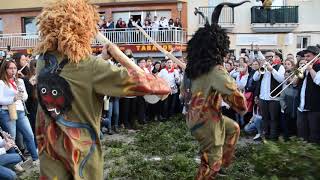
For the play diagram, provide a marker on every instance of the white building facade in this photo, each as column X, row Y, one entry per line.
column 290, row 25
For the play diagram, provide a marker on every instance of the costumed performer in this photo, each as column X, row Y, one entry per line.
column 71, row 86
column 210, row 84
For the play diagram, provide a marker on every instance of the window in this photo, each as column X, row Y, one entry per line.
column 1, row 26
column 29, row 25
column 303, row 42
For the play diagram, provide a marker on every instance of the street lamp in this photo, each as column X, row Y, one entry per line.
column 179, row 8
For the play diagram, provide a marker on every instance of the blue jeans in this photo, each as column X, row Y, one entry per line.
column 106, row 123
column 240, row 120
column 22, row 125
column 113, row 112
column 5, row 161
column 254, row 126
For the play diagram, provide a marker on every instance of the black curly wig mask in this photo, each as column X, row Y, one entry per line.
column 209, row 45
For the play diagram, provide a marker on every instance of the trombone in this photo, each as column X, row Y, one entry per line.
column 297, row 73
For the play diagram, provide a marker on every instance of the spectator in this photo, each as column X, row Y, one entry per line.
column 119, row 22
column 289, row 64
column 28, row 74
column 149, row 65
column 139, row 22
column 300, row 56
column 308, row 116
column 146, row 25
column 113, row 113
column 171, row 23
column 228, row 67
column 110, row 23
column 8, row 157
column 127, row 105
column 157, row 68
column 155, row 23
column 255, row 124
column 288, row 99
column 155, row 109
column 172, row 77
column 235, row 72
column 141, row 103
column 241, row 81
column 266, row 4
column 177, row 23
column 130, row 25
column 13, row 92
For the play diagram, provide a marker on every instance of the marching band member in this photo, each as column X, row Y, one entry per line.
column 308, row 124
column 272, row 76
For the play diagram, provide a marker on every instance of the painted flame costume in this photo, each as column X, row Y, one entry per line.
column 210, row 85
column 71, row 86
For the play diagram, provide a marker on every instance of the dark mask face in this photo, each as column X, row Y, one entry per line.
column 54, row 94
column 129, row 55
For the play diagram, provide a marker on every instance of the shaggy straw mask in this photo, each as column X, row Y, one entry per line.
column 68, row 26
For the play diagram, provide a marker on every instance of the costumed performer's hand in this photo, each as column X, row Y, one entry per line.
column 104, row 54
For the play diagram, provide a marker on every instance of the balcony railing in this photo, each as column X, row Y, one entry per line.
column 117, row 36
column 276, row 14
column 226, row 16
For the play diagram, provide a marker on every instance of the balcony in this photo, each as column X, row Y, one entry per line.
column 126, row 36
column 276, row 19
column 226, row 19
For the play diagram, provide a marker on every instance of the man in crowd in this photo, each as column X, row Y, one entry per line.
column 308, row 117
column 171, row 75
column 270, row 105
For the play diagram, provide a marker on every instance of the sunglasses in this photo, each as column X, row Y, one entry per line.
column 269, row 57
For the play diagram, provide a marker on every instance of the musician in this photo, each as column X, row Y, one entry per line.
column 270, row 107
column 71, row 86
column 210, row 84
column 13, row 93
column 308, row 115
column 8, row 157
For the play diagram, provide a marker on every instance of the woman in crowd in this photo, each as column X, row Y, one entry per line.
column 8, row 158
column 241, row 81
column 28, row 74
column 178, row 23
column 13, row 93
column 289, row 64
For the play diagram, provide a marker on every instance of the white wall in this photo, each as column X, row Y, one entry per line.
column 192, row 19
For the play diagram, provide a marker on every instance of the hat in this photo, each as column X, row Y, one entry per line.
column 312, row 49
column 300, row 53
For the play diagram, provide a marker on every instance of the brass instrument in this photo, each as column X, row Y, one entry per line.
column 263, row 68
column 297, row 73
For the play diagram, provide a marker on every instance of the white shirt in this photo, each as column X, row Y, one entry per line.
column 7, row 95
column 234, row 73
column 155, row 25
column 2, row 148
column 171, row 78
column 241, row 83
column 266, row 82
column 316, row 80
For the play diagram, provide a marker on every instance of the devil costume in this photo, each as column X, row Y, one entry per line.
column 71, row 87
column 210, row 84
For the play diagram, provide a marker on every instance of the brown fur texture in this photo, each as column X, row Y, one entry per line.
column 68, row 26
